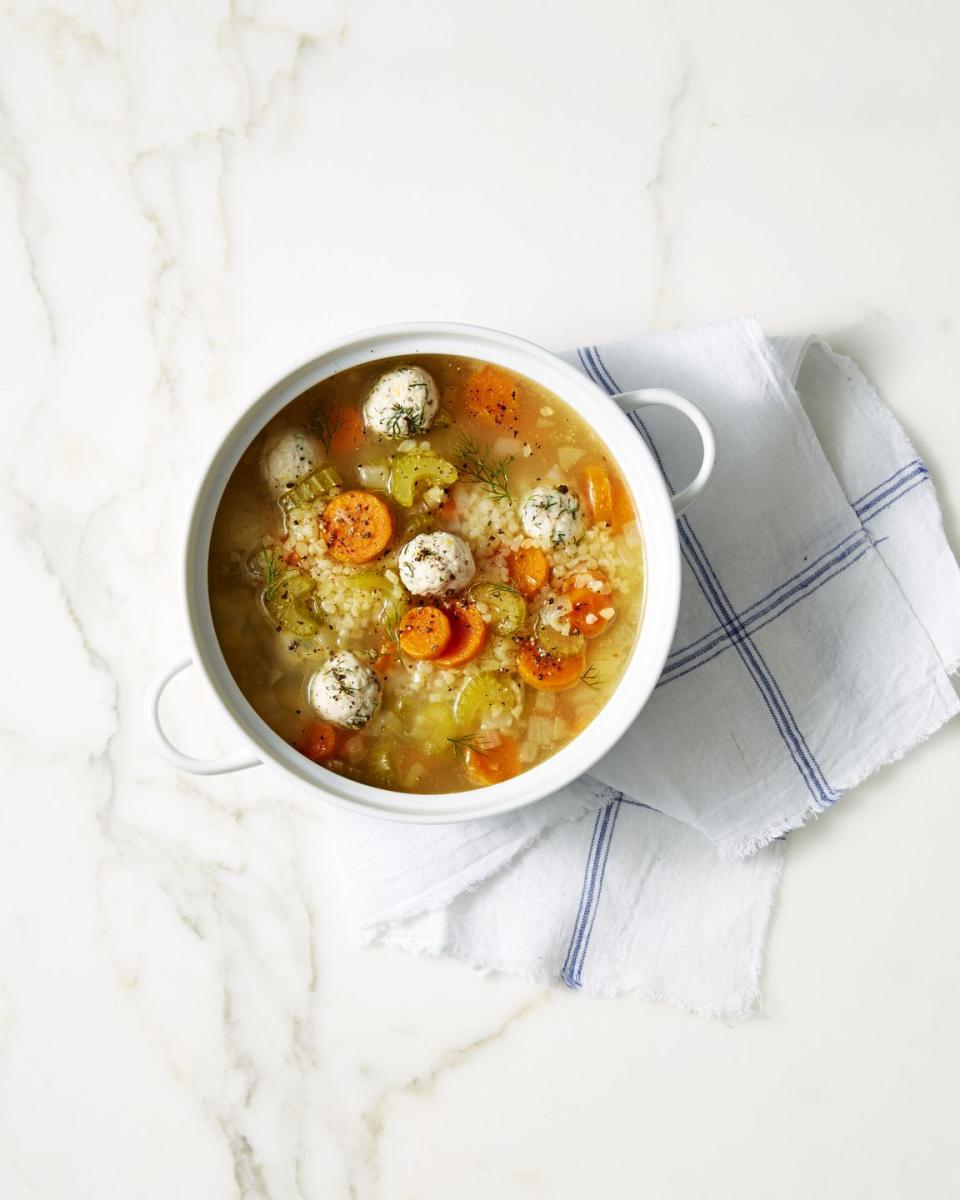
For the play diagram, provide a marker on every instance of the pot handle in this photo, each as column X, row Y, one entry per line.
column 647, row 397
column 184, row 762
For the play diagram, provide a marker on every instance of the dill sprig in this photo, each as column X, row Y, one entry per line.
column 508, row 589
column 269, row 571
column 474, row 463
column 591, row 677
column 324, row 421
column 467, row 741
column 406, row 422
column 392, row 619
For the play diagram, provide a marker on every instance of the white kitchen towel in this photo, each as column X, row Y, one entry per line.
column 819, row 623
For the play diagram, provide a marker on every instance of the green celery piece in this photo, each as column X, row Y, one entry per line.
column 316, row 484
column 411, row 469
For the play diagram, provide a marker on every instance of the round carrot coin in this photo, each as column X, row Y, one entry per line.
column 588, row 607
column 529, row 569
column 358, row 526
column 547, row 673
column 425, row 632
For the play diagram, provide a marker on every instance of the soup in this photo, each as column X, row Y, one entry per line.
column 426, row 574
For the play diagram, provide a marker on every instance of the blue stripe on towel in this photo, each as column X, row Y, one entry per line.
column 865, row 500
column 877, row 486
column 907, row 478
column 806, row 584
column 756, row 665
column 600, row 824
column 593, row 874
column 581, row 957
column 858, row 533
column 716, row 597
column 923, row 478
column 702, row 660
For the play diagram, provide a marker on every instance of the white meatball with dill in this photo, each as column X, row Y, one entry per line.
column 435, row 564
column 345, row 691
column 288, row 459
column 402, row 403
column 552, row 515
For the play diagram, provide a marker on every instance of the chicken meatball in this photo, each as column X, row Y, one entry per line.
column 288, row 459
column 402, row 403
column 435, row 564
column 552, row 515
column 345, row 691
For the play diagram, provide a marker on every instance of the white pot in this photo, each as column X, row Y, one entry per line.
column 658, row 512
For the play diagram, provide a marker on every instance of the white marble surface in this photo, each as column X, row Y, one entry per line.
column 194, row 195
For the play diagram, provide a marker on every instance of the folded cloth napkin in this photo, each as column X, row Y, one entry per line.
column 819, row 624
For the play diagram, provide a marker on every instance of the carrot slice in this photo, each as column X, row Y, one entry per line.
column 468, row 636
column 493, row 764
column 347, row 427
column 546, row 673
column 425, row 632
column 319, row 742
column 529, row 569
column 622, row 512
column 587, row 606
column 448, row 509
column 358, row 526
column 385, row 659
column 492, row 397
column 599, row 492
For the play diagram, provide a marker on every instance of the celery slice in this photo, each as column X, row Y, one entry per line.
column 414, row 468
column 378, row 585
column 481, row 694
column 288, row 604
column 324, row 479
column 370, row 581
column 509, row 607
column 557, row 644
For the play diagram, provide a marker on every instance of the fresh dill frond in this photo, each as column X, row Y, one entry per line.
column 508, row 589
column 348, row 689
column 467, row 741
column 406, row 422
column 591, row 677
column 269, row 570
column 392, row 618
column 474, row 463
column 324, row 422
